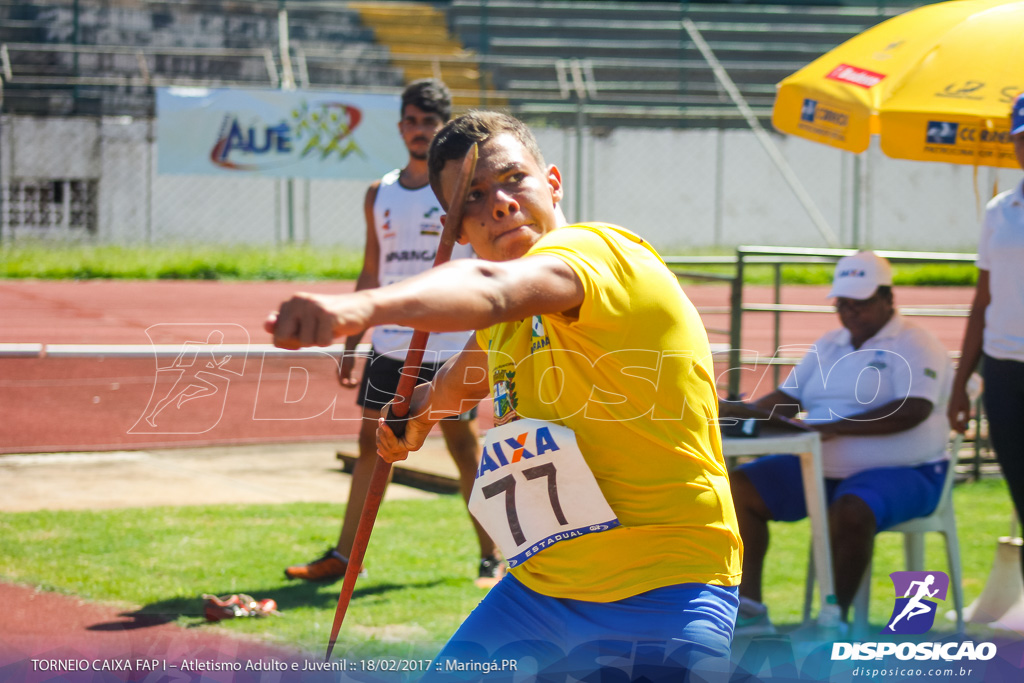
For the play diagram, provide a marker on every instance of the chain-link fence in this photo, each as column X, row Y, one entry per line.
column 96, row 179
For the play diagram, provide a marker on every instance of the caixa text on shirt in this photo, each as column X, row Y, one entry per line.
column 498, row 454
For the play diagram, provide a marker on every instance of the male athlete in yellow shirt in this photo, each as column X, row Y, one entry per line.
column 603, row 480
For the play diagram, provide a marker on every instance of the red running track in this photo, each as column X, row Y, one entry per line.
column 101, row 402
column 53, row 638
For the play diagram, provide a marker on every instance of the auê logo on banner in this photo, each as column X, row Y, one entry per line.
column 323, row 130
column 918, row 595
column 277, row 133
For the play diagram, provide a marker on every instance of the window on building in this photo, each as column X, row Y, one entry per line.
column 34, row 205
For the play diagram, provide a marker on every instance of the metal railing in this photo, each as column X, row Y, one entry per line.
column 776, row 258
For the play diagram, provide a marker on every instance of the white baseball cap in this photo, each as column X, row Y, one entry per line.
column 858, row 276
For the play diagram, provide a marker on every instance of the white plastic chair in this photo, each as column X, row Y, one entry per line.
column 943, row 521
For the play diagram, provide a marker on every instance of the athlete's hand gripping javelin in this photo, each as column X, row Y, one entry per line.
column 392, row 448
column 458, row 385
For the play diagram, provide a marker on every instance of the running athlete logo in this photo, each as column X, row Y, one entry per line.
column 914, row 612
column 191, row 390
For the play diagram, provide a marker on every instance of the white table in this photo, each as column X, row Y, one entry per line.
column 806, row 446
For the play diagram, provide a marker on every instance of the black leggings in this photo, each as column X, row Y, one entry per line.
column 1004, row 404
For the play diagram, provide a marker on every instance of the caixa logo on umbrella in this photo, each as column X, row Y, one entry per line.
column 941, row 133
column 917, row 594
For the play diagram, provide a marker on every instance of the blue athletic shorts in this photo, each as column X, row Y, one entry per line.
column 894, row 494
column 676, row 633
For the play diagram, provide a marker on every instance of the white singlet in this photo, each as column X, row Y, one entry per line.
column 408, row 225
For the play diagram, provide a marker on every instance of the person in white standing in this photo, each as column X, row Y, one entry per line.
column 995, row 329
column 403, row 228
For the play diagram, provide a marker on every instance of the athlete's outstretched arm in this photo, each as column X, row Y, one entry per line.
column 460, row 295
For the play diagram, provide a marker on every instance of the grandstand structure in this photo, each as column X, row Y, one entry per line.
column 626, row 63
column 637, row 64
column 105, row 57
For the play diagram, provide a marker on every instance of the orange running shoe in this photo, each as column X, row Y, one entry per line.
column 330, row 567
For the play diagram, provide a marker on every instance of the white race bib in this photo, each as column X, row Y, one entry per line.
column 534, row 489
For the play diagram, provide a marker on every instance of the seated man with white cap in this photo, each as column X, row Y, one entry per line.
column 876, row 389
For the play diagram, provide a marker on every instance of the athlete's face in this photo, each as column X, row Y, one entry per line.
column 417, row 129
column 512, row 200
column 864, row 317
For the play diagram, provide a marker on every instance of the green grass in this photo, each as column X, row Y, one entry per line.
column 160, row 561
column 421, row 562
column 70, row 261
column 904, row 275
column 83, row 261
column 983, row 512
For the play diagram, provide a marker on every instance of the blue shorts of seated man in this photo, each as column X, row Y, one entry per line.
column 894, row 494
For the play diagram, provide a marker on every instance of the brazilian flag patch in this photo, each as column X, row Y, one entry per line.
column 928, row 372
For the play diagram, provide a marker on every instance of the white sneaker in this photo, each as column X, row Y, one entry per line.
column 752, row 619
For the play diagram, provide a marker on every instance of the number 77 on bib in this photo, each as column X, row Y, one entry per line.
column 534, row 489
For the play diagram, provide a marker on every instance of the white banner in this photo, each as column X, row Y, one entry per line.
column 277, row 133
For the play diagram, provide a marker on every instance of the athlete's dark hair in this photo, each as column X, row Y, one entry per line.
column 430, row 95
column 454, row 140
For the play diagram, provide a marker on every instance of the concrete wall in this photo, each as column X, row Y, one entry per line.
column 718, row 188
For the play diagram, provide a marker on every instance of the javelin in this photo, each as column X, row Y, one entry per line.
column 400, row 407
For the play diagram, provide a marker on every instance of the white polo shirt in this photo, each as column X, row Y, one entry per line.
column 1001, row 253
column 835, row 381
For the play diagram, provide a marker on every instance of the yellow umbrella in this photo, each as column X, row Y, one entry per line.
column 935, row 83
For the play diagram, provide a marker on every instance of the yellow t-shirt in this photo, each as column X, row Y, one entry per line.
column 633, row 378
